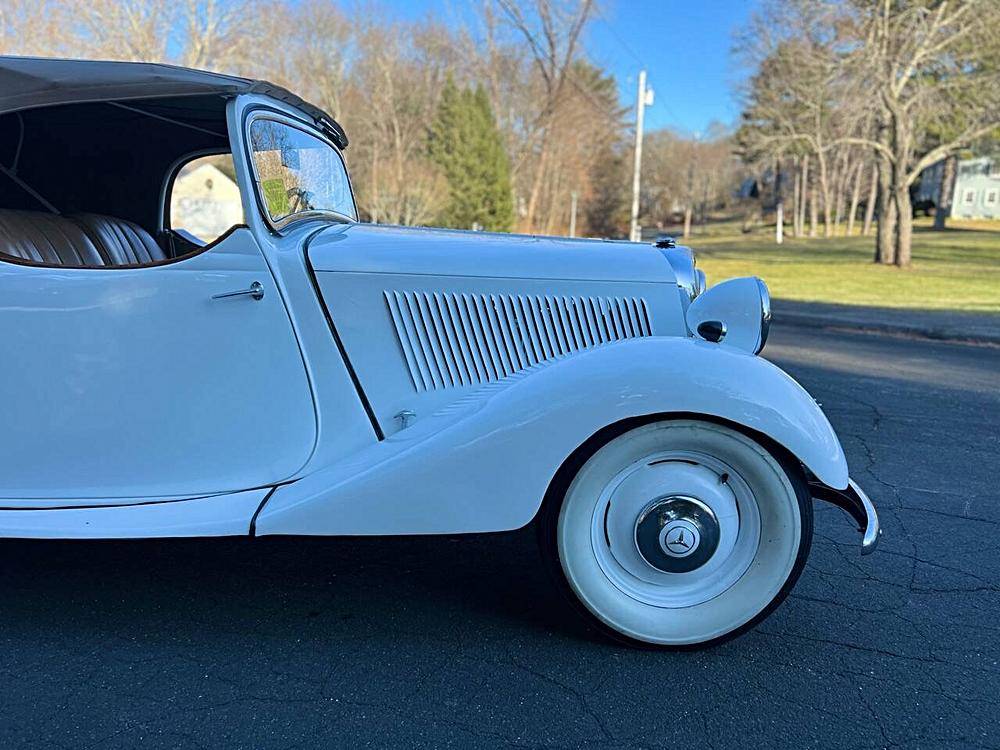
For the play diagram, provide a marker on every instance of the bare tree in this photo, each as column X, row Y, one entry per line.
column 215, row 32
column 551, row 30
column 200, row 33
column 399, row 79
column 314, row 61
column 866, row 228
column 799, row 99
column 122, row 30
column 30, row 27
column 855, row 181
column 934, row 69
column 383, row 82
column 949, row 172
column 688, row 175
column 913, row 82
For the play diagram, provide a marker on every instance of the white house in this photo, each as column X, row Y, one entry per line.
column 977, row 189
column 205, row 201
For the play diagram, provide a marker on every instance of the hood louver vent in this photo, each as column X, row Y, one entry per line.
column 451, row 340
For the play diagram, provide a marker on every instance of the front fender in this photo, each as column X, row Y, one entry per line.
column 485, row 461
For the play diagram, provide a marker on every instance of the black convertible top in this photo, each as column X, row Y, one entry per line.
column 29, row 82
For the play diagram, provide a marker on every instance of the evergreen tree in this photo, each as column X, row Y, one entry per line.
column 465, row 143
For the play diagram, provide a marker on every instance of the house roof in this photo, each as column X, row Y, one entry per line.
column 29, row 82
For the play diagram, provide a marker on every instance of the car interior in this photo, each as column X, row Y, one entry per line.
column 84, row 185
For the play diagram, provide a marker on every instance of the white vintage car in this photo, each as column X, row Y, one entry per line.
column 303, row 373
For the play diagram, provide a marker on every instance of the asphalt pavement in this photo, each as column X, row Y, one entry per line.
column 947, row 325
column 459, row 642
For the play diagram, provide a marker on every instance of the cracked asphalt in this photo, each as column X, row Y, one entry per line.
column 459, row 642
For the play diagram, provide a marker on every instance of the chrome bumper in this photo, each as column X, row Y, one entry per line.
column 858, row 506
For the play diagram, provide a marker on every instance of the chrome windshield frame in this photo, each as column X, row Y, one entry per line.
column 278, row 226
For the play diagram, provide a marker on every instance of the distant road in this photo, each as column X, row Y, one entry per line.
column 458, row 643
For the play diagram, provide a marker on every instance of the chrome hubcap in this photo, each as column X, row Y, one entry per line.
column 676, row 529
column 676, row 534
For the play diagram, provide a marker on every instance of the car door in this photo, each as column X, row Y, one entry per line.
column 171, row 380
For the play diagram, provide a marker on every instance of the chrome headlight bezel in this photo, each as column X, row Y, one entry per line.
column 765, row 313
column 683, row 262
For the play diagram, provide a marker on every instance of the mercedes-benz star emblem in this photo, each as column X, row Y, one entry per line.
column 677, row 541
column 679, row 538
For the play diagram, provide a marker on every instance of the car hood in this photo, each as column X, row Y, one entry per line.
column 374, row 248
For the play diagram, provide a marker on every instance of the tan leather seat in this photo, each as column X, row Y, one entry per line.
column 122, row 242
column 81, row 240
column 46, row 238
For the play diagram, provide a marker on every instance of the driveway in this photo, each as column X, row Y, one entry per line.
column 458, row 642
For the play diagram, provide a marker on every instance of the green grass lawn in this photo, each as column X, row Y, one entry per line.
column 958, row 269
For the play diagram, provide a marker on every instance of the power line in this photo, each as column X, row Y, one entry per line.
column 621, row 40
column 670, row 112
column 661, row 101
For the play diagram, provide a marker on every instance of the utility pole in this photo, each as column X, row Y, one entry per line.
column 572, row 214
column 643, row 99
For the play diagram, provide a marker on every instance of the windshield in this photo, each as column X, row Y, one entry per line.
column 298, row 172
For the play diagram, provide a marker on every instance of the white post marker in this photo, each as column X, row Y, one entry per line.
column 572, row 214
column 779, row 205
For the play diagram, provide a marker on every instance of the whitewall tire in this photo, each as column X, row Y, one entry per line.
column 679, row 533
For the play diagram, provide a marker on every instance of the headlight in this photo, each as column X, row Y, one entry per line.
column 736, row 312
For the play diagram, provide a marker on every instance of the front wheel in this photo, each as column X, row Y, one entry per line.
column 680, row 533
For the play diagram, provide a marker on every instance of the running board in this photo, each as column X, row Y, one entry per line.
column 216, row 515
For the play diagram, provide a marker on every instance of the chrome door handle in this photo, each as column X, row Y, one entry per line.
column 256, row 291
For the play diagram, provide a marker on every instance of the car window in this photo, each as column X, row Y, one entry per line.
column 298, row 172
column 205, row 199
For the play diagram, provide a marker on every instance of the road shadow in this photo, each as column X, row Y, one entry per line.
column 279, row 583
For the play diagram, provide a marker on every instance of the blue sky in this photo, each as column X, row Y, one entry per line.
column 684, row 46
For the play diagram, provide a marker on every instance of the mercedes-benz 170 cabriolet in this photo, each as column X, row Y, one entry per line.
column 200, row 339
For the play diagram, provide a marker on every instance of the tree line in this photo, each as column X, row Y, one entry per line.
column 850, row 100
column 491, row 121
column 497, row 120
